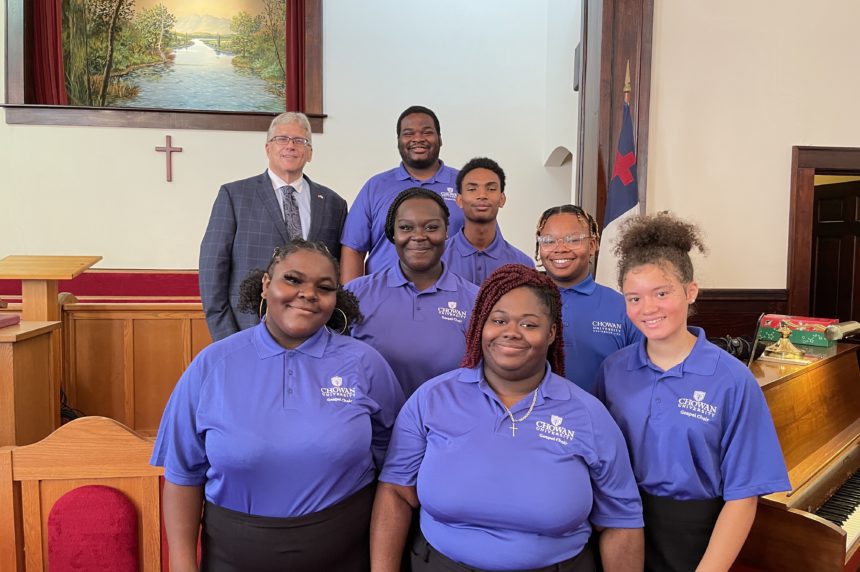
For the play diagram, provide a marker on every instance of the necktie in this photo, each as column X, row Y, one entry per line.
column 291, row 213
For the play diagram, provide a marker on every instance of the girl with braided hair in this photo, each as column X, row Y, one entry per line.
column 278, row 431
column 699, row 431
column 510, row 464
column 416, row 312
column 595, row 321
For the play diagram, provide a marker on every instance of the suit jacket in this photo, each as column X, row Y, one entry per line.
column 245, row 227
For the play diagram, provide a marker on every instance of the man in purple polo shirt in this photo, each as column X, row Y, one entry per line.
column 419, row 140
column 479, row 248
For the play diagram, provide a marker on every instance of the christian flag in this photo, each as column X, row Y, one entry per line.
column 622, row 201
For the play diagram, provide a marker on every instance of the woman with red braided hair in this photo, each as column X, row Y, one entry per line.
column 511, row 464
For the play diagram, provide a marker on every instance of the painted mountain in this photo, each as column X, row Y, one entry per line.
column 202, row 24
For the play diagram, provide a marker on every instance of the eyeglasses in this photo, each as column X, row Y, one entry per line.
column 571, row 240
column 284, row 140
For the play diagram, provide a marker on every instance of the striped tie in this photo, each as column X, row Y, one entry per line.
column 291, row 213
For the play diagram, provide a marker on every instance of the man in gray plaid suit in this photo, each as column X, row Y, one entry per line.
column 253, row 216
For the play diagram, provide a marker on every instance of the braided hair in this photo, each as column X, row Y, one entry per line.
column 251, row 289
column 499, row 283
column 412, row 193
column 661, row 239
column 579, row 212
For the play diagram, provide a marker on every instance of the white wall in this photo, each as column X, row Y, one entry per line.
column 735, row 84
column 481, row 65
column 564, row 21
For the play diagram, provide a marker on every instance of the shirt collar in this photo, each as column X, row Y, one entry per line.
column 438, row 176
column 702, row 359
column 267, row 347
column 466, row 248
column 587, row 286
column 447, row 281
column 551, row 386
column 299, row 185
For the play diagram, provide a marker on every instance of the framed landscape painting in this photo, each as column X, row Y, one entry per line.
column 228, row 55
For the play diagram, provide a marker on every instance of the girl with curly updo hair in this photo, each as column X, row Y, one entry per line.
column 278, row 431
column 700, row 435
column 511, row 464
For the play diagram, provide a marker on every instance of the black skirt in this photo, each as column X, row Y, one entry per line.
column 335, row 539
column 425, row 558
column 677, row 532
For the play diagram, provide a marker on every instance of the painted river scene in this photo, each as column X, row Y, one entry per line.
column 180, row 54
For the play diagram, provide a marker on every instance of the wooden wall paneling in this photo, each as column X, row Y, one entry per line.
column 159, row 349
column 99, row 375
column 128, row 372
column 200, row 337
column 734, row 312
column 187, row 343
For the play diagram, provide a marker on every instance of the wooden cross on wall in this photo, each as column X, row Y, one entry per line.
column 168, row 150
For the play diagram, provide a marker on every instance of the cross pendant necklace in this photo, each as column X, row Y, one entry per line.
column 514, row 420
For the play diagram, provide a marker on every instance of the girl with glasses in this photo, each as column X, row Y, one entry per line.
column 595, row 323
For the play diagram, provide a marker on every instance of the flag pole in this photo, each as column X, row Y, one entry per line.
column 627, row 87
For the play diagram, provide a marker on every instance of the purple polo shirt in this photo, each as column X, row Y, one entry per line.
column 700, row 430
column 595, row 325
column 475, row 265
column 364, row 229
column 275, row 432
column 495, row 501
column 420, row 334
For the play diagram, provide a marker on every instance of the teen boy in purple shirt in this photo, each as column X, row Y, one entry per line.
column 477, row 250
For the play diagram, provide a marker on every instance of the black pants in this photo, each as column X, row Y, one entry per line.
column 425, row 558
column 335, row 539
column 677, row 532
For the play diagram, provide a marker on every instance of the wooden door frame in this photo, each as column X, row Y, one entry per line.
column 806, row 162
column 614, row 32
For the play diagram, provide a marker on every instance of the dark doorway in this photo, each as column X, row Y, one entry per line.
column 835, row 251
column 803, row 251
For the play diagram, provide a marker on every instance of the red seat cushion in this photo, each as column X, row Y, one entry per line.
column 93, row 528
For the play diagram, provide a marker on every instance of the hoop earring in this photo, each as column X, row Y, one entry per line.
column 345, row 321
column 260, row 312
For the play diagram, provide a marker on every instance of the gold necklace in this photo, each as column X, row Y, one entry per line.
column 524, row 417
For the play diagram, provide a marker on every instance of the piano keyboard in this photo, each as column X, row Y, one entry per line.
column 843, row 508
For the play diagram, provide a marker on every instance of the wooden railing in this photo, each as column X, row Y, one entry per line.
column 123, row 360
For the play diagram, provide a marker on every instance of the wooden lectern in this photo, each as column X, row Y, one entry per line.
column 39, row 277
column 27, row 382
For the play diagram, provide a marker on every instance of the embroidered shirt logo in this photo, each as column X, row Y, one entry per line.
column 338, row 393
column 553, row 431
column 451, row 313
column 611, row 328
column 697, row 407
column 449, row 194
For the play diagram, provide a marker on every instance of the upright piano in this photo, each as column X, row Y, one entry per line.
column 815, row 527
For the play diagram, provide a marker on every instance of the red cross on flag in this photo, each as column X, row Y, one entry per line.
column 622, row 201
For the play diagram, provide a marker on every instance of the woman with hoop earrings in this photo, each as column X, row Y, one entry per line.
column 277, row 432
